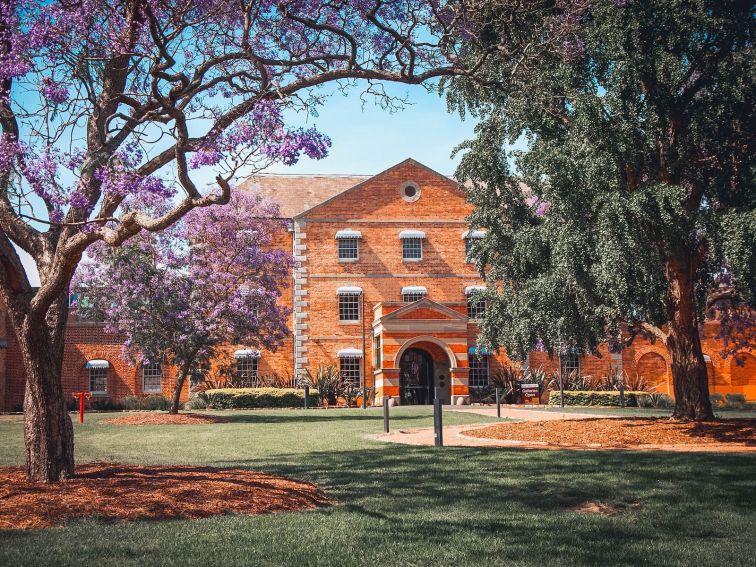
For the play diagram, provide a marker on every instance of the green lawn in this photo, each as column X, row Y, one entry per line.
column 400, row 505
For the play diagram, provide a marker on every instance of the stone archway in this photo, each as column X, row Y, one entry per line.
column 653, row 368
column 425, row 365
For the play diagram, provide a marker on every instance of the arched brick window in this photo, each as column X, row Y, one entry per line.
column 653, row 368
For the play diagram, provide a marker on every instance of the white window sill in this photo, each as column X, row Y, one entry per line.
column 412, row 259
column 99, row 394
column 348, row 260
column 357, row 322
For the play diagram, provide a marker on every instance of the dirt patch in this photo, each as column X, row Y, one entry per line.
column 160, row 418
column 129, row 492
column 602, row 508
column 625, row 432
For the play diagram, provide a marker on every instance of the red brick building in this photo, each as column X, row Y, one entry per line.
column 380, row 289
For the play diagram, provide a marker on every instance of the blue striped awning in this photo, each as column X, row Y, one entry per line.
column 475, row 350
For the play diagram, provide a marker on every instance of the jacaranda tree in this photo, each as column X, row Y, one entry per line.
column 101, row 100
column 631, row 206
column 212, row 279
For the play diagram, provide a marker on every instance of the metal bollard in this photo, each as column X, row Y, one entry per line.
column 364, row 397
column 307, row 397
column 438, row 425
column 622, row 396
column 386, row 413
column 498, row 403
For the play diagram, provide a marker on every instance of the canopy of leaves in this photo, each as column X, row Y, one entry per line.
column 638, row 132
column 213, row 279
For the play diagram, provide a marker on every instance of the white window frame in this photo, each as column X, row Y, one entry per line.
column 411, row 245
column 479, row 370
column 348, row 304
column 476, row 308
column 569, row 362
column 155, row 369
column 247, row 364
column 92, row 374
column 348, row 244
column 350, row 368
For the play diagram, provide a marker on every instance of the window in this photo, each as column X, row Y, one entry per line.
column 98, row 380
column 476, row 308
column 350, row 370
column 413, row 293
column 246, row 369
column 377, row 354
column 569, row 363
column 410, row 191
column 152, row 377
column 478, row 370
column 468, row 247
column 348, row 249
column 349, row 307
column 412, row 248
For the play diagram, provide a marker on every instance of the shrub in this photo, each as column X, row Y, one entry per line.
column 103, row 404
column 251, row 398
column 735, row 401
column 328, row 381
column 483, row 394
column 597, row 398
column 196, row 402
column 717, row 400
column 149, row 402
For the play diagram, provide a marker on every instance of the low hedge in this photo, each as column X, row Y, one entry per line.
column 251, row 398
column 596, row 398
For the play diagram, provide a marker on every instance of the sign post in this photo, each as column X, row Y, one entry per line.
column 438, row 421
column 498, row 403
column 307, row 396
column 82, row 396
column 386, row 413
column 530, row 393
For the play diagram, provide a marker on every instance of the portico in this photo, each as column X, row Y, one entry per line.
column 420, row 349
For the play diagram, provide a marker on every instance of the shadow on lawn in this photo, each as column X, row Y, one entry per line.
column 322, row 416
column 523, row 498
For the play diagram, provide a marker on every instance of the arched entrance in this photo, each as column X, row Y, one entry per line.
column 416, row 377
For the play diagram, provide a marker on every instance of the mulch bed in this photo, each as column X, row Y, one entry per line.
column 160, row 418
column 625, row 432
column 130, row 492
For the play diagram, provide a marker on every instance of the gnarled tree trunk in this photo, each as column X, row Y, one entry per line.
column 48, row 431
column 689, row 375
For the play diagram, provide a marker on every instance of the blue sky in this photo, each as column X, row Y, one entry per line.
column 368, row 139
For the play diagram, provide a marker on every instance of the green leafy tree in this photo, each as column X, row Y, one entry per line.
column 630, row 209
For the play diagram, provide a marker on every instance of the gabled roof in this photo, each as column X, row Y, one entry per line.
column 408, row 161
column 424, row 304
column 295, row 194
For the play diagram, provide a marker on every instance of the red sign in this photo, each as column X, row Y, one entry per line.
column 530, row 393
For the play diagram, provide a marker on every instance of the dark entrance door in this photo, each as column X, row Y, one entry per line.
column 416, row 377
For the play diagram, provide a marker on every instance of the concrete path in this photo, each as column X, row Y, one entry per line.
column 524, row 413
column 454, row 436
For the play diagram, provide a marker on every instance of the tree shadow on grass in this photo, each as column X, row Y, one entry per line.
column 526, row 497
column 329, row 415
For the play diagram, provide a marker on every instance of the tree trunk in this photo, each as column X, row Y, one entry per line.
column 48, row 431
column 180, row 379
column 689, row 375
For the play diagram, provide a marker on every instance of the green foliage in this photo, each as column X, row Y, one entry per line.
column 632, row 180
column 736, row 401
column 598, row 398
column 197, row 402
column 328, row 381
column 656, row 400
column 252, row 398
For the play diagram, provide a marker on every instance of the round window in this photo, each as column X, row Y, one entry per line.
column 410, row 191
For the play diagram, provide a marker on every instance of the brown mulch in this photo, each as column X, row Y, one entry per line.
column 130, row 492
column 602, row 508
column 625, row 432
column 160, row 418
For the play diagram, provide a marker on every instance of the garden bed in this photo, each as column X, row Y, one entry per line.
column 130, row 492
column 160, row 418
column 624, row 432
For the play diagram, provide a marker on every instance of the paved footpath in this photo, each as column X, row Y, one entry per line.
column 454, row 434
column 524, row 414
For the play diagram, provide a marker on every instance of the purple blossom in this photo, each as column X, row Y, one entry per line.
column 52, row 91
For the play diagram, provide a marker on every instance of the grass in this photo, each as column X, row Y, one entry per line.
column 401, row 505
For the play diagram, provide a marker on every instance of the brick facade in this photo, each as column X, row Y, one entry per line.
column 435, row 329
